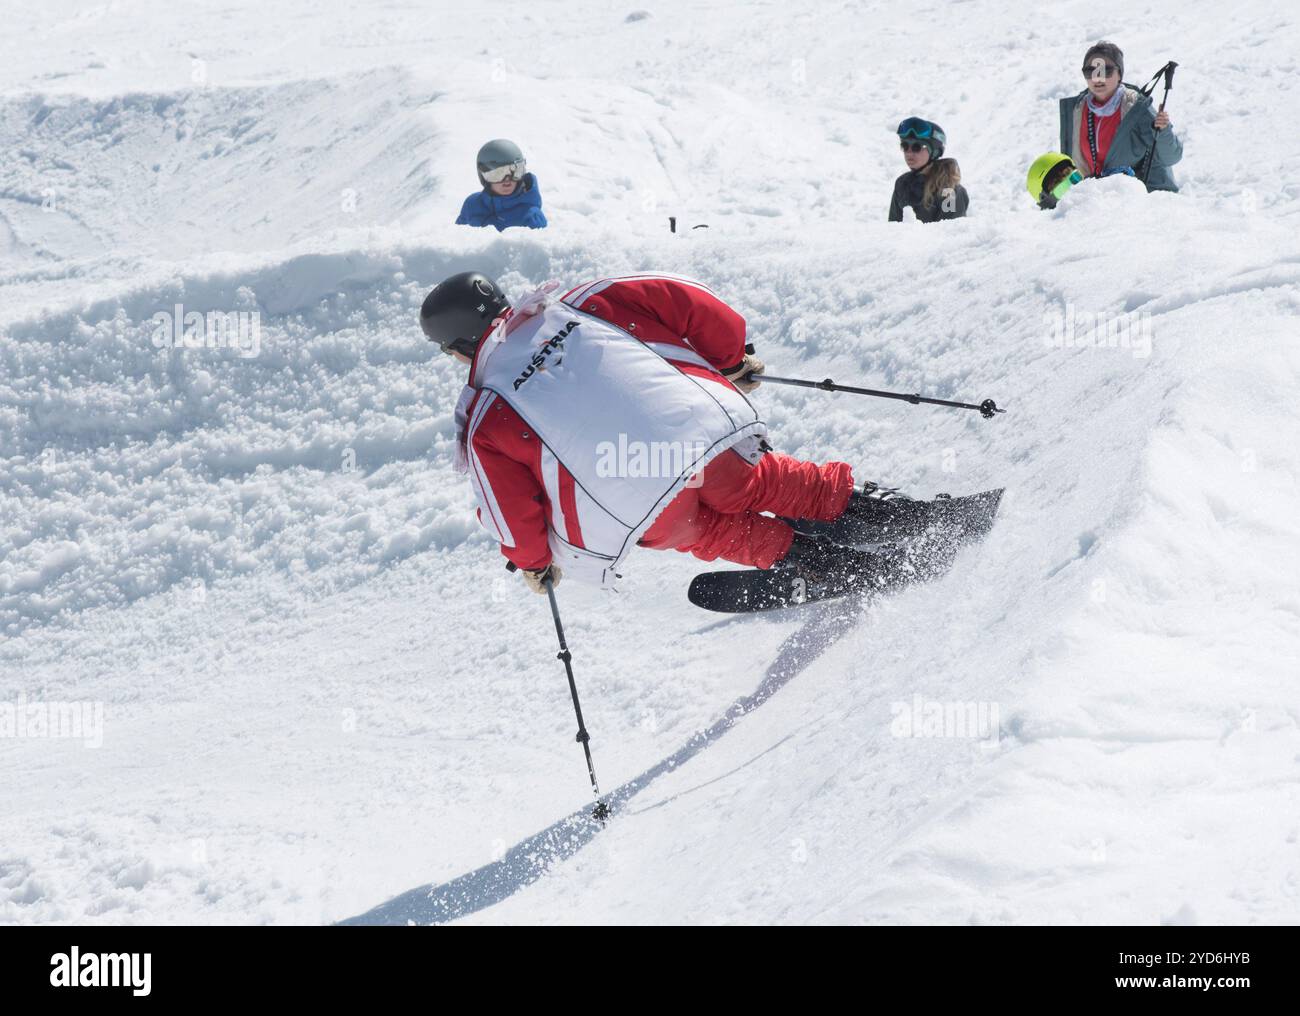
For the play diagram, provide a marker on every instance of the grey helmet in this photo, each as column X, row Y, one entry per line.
column 500, row 158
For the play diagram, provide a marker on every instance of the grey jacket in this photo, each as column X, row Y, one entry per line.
column 1132, row 139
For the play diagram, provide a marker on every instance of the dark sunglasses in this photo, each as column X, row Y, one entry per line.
column 913, row 146
column 1111, row 71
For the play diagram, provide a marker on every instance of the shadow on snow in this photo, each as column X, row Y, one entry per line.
column 530, row 859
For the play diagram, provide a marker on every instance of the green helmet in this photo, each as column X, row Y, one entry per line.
column 1050, row 176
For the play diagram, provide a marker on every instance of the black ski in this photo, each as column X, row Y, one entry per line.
column 752, row 589
column 921, row 552
column 883, row 516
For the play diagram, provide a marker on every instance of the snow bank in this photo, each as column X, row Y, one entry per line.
column 320, row 688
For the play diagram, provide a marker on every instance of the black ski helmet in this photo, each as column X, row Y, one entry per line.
column 458, row 311
column 497, row 155
column 938, row 141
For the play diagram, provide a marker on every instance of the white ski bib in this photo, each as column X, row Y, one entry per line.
column 630, row 427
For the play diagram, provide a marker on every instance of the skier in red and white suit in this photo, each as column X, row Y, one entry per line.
column 530, row 499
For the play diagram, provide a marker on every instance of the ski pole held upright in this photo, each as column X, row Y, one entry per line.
column 1168, row 72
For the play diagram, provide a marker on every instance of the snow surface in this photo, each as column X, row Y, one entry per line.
column 320, row 689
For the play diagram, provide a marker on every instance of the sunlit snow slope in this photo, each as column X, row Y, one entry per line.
column 321, row 691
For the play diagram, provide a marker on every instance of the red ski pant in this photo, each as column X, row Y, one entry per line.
column 720, row 517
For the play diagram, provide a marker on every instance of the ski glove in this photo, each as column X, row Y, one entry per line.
column 751, row 365
column 534, row 579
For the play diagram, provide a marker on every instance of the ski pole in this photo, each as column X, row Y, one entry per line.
column 986, row 408
column 601, row 812
column 1168, row 71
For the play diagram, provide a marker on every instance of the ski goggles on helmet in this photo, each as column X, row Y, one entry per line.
column 1059, row 190
column 915, row 127
column 510, row 171
column 1062, row 177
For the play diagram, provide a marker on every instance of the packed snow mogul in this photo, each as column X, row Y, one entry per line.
column 569, row 381
column 509, row 197
column 932, row 186
column 1112, row 127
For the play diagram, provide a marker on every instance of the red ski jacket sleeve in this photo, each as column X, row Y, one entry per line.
column 505, row 459
column 504, row 468
column 662, row 308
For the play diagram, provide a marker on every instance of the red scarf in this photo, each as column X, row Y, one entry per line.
column 1095, row 135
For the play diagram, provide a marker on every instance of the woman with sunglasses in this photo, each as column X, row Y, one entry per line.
column 1109, row 127
column 931, row 187
column 509, row 196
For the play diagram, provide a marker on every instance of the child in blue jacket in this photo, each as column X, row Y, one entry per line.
column 509, row 196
